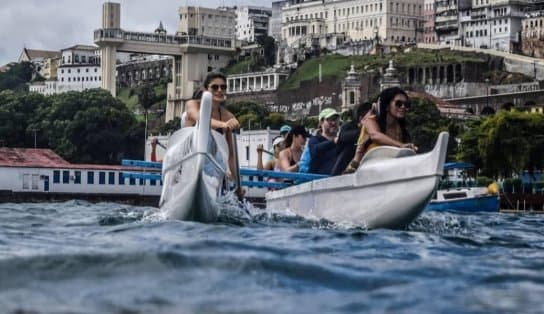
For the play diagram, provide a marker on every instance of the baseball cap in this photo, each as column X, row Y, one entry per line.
column 277, row 141
column 285, row 128
column 327, row 113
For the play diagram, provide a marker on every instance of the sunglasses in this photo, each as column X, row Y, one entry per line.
column 400, row 103
column 216, row 87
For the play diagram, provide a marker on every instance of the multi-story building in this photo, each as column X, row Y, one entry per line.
column 475, row 28
column 492, row 24
column 144, row 69
column 79, row 70
column 506, row 17
column 274, row 29
column 447, row 20
column 532, row 34
column 252, row 22
column 199, row 21
column 429, row 33
column 393, row 22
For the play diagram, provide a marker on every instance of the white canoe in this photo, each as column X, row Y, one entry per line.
column 389, row 190
column 194, row 170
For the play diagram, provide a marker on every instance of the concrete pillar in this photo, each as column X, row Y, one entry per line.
column 109, row 60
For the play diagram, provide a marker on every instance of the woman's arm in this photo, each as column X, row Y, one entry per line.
column 260, row 157
column 192, row 107
column 376, row 134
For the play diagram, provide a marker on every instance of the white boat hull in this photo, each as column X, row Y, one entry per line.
column 389, row 190
column 194, row 170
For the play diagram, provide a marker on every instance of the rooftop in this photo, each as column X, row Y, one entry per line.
column 46, row 158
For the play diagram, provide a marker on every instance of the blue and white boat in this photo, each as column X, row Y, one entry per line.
column 460, row 196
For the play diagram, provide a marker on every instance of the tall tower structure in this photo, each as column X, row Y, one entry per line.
column 351, row 92
column 111, row 23
column 205, row 45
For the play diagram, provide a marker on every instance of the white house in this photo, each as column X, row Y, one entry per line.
column 79, row 70
column 252, row 22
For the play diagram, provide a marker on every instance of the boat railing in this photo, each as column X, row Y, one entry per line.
column 252, row 178
column 260, row 178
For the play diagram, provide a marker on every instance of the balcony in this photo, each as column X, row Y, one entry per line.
column 446, row 19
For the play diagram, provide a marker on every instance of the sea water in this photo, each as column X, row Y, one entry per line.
column 79, row 257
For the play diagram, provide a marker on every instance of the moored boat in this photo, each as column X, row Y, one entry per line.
column 464, row 197
column 389, row 190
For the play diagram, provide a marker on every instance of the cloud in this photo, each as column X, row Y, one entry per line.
column 58, row 24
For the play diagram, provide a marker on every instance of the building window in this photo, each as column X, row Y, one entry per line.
column 77, row 177
column 132, row 181
column 90, row 177
column 101, row 177
column 153, row 182
column 26, row 181
column 111, row 177
column 121, row 179
column 142, row 181
column 65, row 176
column 35, row 181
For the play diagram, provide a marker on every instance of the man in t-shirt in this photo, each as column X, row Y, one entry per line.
column 322, row 147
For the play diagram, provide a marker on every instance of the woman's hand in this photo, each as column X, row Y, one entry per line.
column 260, row 148
column 409, row 146
column 233, row 124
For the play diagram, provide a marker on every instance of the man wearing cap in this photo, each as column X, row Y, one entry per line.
column 323, row 146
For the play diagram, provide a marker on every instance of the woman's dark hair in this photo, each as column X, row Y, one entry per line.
column 295, row 130
column 361, row 110
column 197, row 94
column 385, row 98
column 211, row 76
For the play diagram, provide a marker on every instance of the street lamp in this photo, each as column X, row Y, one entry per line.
column 487, row 88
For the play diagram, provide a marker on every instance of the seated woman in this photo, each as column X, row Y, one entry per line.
column 384, row 125
column 272, row 163
column 289, row 157
column 223, row 120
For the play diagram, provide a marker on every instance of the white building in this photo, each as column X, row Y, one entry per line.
column 274, row 29
column 41, row 172
column 494, row 24
column 219, row 22
column 79, row 70
column 255, row 81
column 393, row 21
column 252, row 22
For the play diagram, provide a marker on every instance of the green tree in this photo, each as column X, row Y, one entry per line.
column 468, row 149
column 425, row 123
column 91, row 127
column 274, row 120
column 17, row 77
column 269, row 46
column 146, row 98
column 170, row 126
column 16, row 113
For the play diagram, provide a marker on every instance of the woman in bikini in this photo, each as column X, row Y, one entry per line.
column 294, row 143
column 223, row 121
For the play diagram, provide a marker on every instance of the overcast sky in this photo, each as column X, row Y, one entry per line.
column 57, row 24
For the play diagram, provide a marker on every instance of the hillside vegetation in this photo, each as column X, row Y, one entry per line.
column 337, row 65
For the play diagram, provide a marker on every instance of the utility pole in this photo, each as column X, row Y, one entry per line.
column 487, row 88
